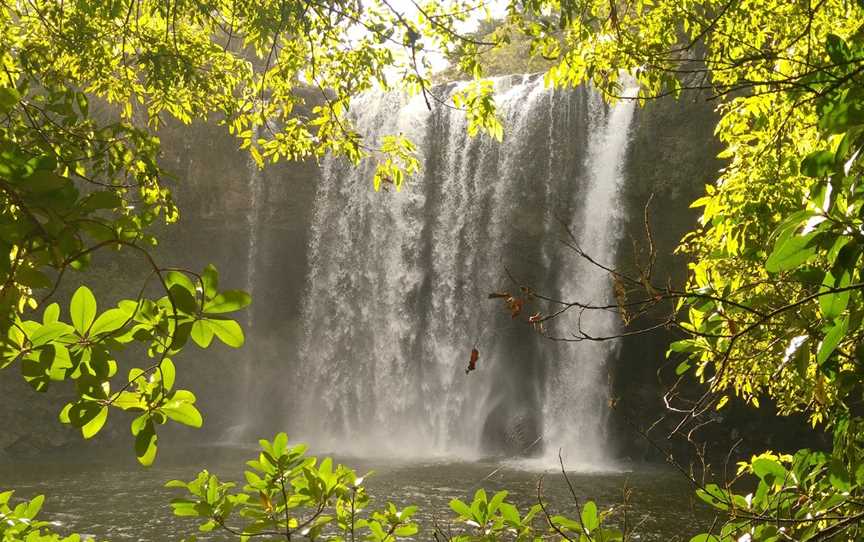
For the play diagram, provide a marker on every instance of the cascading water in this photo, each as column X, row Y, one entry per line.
column 246, row 403
column 397, row 285
column 575, row 393
column 253, row 224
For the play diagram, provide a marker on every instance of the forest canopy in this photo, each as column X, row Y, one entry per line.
column 773, row 304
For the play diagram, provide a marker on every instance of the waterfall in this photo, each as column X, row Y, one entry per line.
column 576, row 392
column 396, row 293
column 253, row 224
column 248, row 404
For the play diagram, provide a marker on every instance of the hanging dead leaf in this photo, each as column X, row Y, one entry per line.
column 472, row 361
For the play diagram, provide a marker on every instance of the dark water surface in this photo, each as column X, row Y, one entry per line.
column 112, row 498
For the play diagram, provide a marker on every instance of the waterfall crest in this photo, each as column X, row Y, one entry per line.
column 396, row 292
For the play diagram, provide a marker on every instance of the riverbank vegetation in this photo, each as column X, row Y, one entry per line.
column 772, row 308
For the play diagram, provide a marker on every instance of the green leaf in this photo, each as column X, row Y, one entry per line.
column 82, row 413
column 49, row 332
column 496, row 500
column 590, row 519
column 818, row 164
column 105, row 199
column 201, row 333
column 145, row 443
column 34, row 506
column 838, row 476
column 168, row 372
column 682, row 368
column 108, row 321
column 43, row 181
column 60, row 362
column 210, row 280
column 841, row 111
column 227, row 301
column 183, row 299
column 567, row 523
column 139, row 424
column 9, row 97
column 184, row 413
column 51, row 313
column 228, row 331
column 832, row 305
column 64, row 414
column 684, row 345
column 406, row 530
column 833, row 336
column 127, row 400
column 791, row 253
column 713, row 495
column 176, row 277
column 705, row 538
column 461, row 508
column 510, row 513
column 837, row 49
column 82, row 309
column 95, row 425
column 770, row 471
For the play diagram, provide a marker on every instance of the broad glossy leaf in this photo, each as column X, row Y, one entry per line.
column 837, row 49
column 818, row 164
column 227, row 301
column 176, row 277
column 769, row 470
column 496, row 501
column 228, row 331
column 183, row 299
column 406, row 530
column 833, row 335
column 461, row 508
column 838, row 475
column 95, row 425
column 201, row 333
column 567, row 523
column 49, row 332
column 510, row 513
column 792, row 252
column 168, row 372
column 82, row 309
column 83, row 412
column 51, row 313
column 105, row 199
column 108, row 321
column 210, row 280
column 590, row 519
column 841, row 112
column 184, row 413
column 833, row 304
column 126, row 400
column 145, row 443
